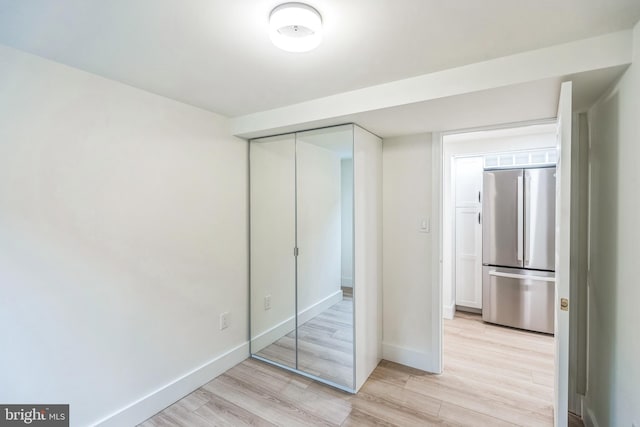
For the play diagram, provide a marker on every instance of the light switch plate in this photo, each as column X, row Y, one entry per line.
column 425, row 225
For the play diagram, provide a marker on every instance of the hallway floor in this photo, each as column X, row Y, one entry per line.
column 499, row 371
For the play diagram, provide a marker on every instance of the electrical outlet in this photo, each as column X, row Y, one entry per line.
column 267, row 302
column 224, row 320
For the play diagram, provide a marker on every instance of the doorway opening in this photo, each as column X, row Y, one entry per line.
column 497, row 323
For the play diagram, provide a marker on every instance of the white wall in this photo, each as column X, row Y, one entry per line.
column 123, row 236
column 407, row 264
column 346, row 183
column 613, row 394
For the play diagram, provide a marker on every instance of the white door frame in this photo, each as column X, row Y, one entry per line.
column 563, row 256
column 437, row 332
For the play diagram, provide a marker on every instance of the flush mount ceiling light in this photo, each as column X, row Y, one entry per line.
column 295, row 27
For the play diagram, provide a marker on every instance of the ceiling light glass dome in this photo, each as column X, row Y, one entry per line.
column 295, row 27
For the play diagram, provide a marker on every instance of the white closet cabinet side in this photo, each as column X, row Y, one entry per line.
column 367, row 166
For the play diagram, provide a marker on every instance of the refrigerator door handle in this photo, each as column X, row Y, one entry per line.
column 521, row 276
column 527, row 194
column 519, row 212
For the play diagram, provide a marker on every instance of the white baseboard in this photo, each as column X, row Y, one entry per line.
column 272, row 334
column 347, row 282
column 406, row 356
column 140, row 410
column 589, row 418
column 317, row 308
column 448, row 311
column 276, row 332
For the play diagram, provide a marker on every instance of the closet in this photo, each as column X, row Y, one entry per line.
column 467, row 189
column 315, row 253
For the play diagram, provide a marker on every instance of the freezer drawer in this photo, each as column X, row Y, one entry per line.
column 519, row 298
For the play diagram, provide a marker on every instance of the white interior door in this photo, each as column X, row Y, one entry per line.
column 563, row 249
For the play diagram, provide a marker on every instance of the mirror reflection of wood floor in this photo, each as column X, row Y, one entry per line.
column 325, row 345
column 494, row 376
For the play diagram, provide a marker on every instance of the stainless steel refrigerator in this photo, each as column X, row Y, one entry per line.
column 518, row 248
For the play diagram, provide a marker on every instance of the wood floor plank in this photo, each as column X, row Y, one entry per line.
column 315, row 402
column 358, row 418
column 522, row 385
column 274, row 408
column 395, row 373
column 496, row 352
column 478, row 402
column 402, row 397
column 162, row 420
column 182, row 416
column 392, row 413
column 482, row 361
column 497, row 392
column 543, row 378
column 227, row 414
column 458, row 415
column 192, row 401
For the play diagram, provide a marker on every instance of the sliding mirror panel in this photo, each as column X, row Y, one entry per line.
column 272, row 228
column 324, row 173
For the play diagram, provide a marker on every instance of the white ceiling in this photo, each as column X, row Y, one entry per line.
column 216, row 54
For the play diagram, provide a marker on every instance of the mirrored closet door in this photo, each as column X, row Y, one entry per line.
column 273, row 239
column 324, row 177
column 304, row 261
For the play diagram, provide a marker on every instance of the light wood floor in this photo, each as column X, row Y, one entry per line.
column 493, row 376
column 325, row 345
